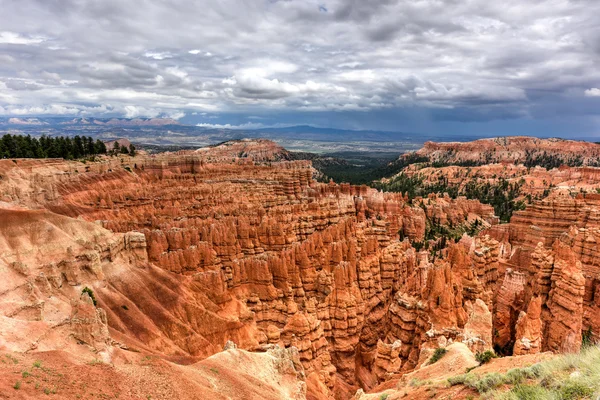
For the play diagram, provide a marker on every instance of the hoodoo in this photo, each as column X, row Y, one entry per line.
column 174, row 256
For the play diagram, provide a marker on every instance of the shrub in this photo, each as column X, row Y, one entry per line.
column 533, row 371
column 573, row 390
column 17, row 385
column 587, row 338
column 489, row 382
column 515, row 376
column 90, row 293
column 485, row 357
column 437, row 355
column 527, row 392
column 459, row 379
column 383, row 396
column 565, row 377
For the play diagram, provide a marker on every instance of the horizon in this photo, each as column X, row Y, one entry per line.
column 432, row 68
column 281, row 128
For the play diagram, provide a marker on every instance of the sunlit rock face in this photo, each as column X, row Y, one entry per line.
column 188, row 251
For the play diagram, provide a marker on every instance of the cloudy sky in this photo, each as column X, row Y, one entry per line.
column 431, row 66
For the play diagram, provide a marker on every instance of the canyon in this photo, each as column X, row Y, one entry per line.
column 230, row 272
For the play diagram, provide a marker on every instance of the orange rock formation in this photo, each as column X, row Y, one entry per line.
column 185, row 252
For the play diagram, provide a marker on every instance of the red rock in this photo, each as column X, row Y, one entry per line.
column 236, row 243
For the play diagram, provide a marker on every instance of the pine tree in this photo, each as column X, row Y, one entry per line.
column 17, row 146
column 99, row 147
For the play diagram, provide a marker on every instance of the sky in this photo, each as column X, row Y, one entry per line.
column 430, row 66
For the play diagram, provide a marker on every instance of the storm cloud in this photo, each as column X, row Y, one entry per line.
column 471, row 60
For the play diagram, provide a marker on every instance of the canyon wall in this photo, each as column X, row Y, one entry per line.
column 185, row 252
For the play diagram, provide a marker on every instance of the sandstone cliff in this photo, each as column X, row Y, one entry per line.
column 185, row 252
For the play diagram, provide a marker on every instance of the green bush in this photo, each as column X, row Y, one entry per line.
column 485, row 357
column 437, row 355
column 527, row 392
column 515, row 376
column 562, row 377
column 90, row 293
column 587, row 338
column 489, row 382
column 573, row 390
column 463, row 379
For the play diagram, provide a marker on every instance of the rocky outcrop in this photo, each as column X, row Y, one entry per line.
column 185, row 252
column 511, row 149
column 478, row 329
column 529, row 329
column 565, row 302
column 89, row 324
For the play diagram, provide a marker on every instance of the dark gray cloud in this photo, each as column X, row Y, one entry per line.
column 462, row 60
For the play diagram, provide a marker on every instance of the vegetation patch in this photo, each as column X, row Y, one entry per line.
column 19, row 146
column 437, row 355
column 90, row 293
column 485, row 356
column 565, row 377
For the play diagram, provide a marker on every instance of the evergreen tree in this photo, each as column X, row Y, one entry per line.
column 90, row 149
column 99, row 147
column 78, row 149
column 16, row 146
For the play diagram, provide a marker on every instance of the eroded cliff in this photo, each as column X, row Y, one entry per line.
column 185, row 252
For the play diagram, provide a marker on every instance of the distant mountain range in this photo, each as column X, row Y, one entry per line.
column 170, row 132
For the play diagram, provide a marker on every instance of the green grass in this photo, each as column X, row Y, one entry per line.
column 526, row 392
column 437, row 355
column 565, row 377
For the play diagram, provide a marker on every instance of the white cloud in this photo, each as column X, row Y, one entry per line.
column 248, row 125
column 134, row 111
column 176, row 114
column 55, row 109
column 157, row 55
column 593, row 92
column 17, row 38
column 196, row 52
column 266, row 56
